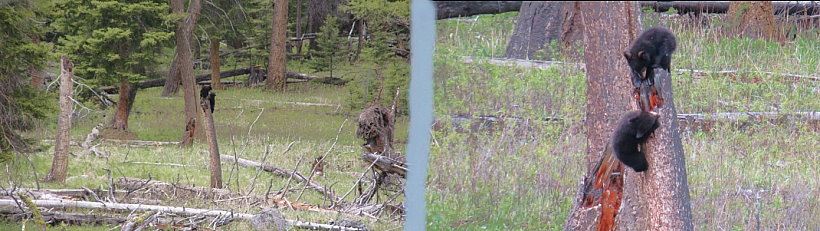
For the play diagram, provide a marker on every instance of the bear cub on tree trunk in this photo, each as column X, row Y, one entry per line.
column 653, row 48
column 206, row 94
column 633, row 130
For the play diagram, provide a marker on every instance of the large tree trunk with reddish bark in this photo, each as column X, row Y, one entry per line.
column 754, row 20
column 614, row 197
column 126, row 101
column 216, row 81
column 608, row 30
column 277, row 72
column 59, row 165
column 186, row 69
column 541, row 24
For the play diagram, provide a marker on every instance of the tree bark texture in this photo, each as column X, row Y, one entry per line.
column 186, row 69
column 608, row 30
column 754, row 20
column 317, row 12
column 213, row 147
column 216, row 81
column 277, row 71
column 299, row 27
column 126, row 101
column 172, row 82
column 541, row 24
column 37, row 80
column 454, row 9
column 665, row 186
column 59, row 165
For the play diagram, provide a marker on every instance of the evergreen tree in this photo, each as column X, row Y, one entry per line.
column 329, row 51
column 114, row 41
column 20, row 104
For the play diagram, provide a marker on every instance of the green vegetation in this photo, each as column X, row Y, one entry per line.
column 132, row 40
column 524, row 174
column 312, row 129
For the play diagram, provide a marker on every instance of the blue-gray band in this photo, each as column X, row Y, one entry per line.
column 422, row 36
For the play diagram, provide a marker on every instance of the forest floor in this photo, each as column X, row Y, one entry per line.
column 250, row 122
column 523, row 174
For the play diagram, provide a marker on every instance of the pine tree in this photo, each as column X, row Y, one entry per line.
column 329, row 43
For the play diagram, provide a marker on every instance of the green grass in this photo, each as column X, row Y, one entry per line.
column 313, row 129
column 523, row 175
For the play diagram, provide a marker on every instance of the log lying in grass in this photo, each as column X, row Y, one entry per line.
column 68, row 218
column 523, row 63
column 141, row 143
column 203, row 77
column 167, row 209
column 386, row 164
column 284, row 173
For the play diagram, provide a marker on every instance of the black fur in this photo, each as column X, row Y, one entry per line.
column 652, row 49
column 206, row 94
column 633, row 129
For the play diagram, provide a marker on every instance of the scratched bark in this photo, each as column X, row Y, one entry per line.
column 665, row 186
column 608, row 29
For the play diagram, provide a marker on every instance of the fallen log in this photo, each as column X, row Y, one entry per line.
column 455, row 9
column 548, row 64
column 67, row 218
column 386, row 164
column 168, row 209
column 140, row 143
column 789, row 7
column 284, row 173
column 203, row 77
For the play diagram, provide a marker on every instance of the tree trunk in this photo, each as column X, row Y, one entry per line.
column 545, row 28
column 216, row 82
column 59, row 165
column 186, row 69
column 277, row 72
column 174, row 79
column 213, row 148
column 754, row 20
column 468, row 8
column 317, row 12
column 608, row 30
column 126, row 101
column 362, row 31
column 299, row 27
column 665, row 186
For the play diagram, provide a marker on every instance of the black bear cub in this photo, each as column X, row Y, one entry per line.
column 206, row 94
column 633, row 130
column 653, row 48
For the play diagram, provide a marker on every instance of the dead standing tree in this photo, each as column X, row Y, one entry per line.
column 611, row 197
column 539, row 24
column 186, row 68
column 59, row 165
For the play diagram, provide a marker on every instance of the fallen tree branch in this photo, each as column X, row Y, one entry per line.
column 386, row 164
column 203, row 77
column 169, row 209
column 548, row 64
column 68, row 218
column 139, row 143
column 284, row 173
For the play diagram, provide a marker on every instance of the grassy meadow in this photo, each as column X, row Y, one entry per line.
column 250, row 122
column 523, row 174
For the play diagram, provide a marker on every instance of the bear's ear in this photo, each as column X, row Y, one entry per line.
column 633, row 119
column 627, row 55
column 643, row 55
